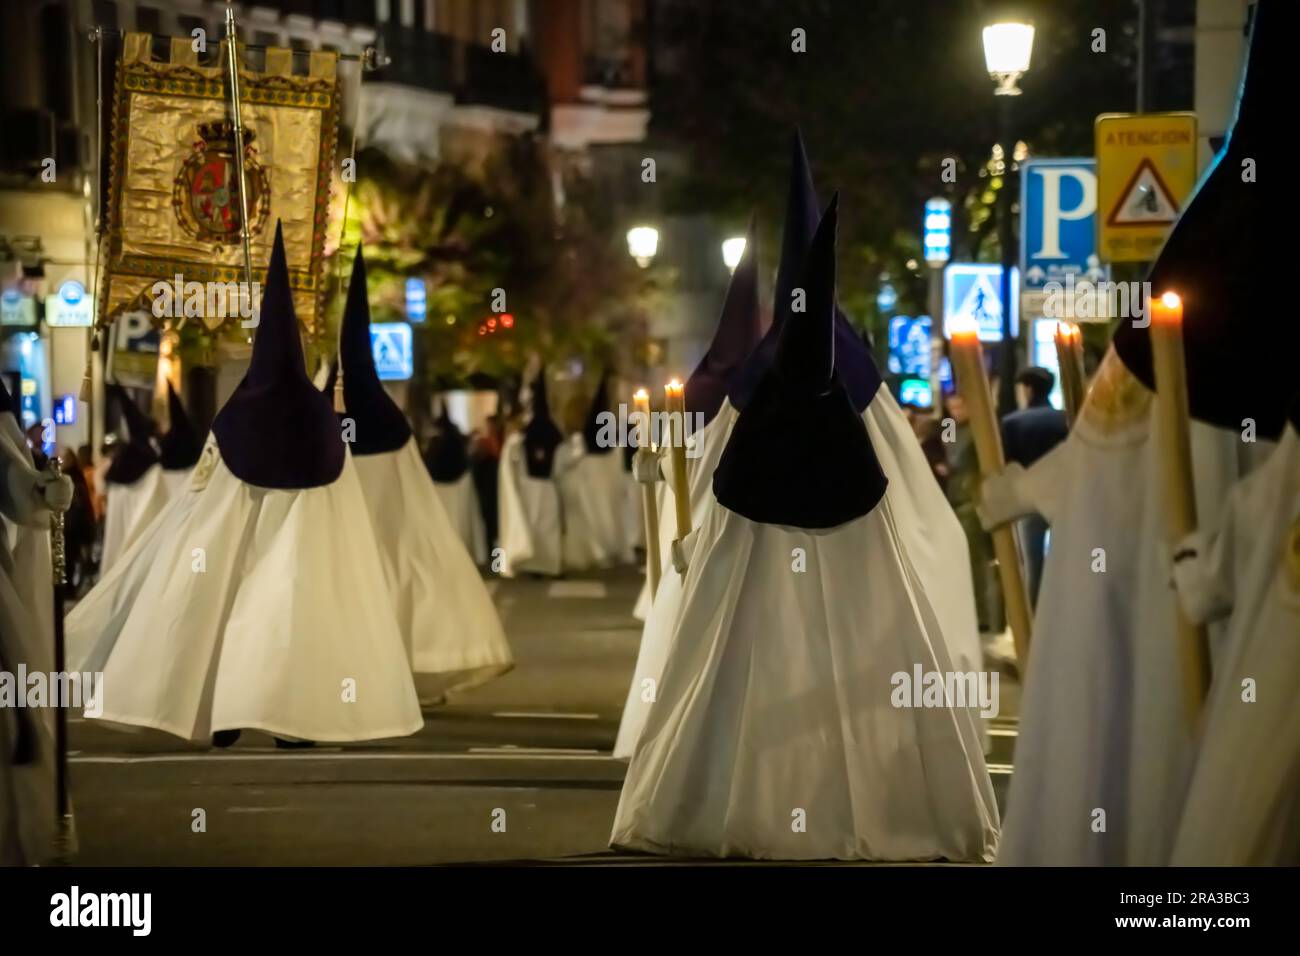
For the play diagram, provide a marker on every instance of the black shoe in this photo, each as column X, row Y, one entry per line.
column 225, row 738
column 282, row 744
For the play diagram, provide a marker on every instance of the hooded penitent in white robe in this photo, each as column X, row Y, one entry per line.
column 129, row 509
column 1243, row 802
column 460, row 502
column 777, row 732
column 592, row 495
column 453, row 635
column 258, row 599
column 28, row 823
column 530, row 525
column 1102, row 721
column 926, row 525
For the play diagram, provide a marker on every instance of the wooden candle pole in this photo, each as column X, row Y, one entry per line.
column 1175, row 456
column 675, row 405
column 967, row 359
column 650, row 509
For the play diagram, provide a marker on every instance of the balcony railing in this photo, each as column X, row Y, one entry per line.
column 417, row 58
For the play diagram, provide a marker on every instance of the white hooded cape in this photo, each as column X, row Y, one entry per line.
column 1243, row 804
column 443, row 608
column 530, row 522
column 775, row 708
column 129, row 510
column 460, row 502
column 250, row 608
column 593, row 493
column 932, row 540
column 1102, row 725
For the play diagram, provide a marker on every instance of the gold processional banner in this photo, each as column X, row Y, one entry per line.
column 173, row 182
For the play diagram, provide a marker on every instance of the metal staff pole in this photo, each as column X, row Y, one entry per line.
column 232, row 62
column 58, row 556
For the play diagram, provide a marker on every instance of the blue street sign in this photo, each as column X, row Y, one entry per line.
column 972, row 291
column 909, row 345
column 416, row 299
column 1058, row 221
column 937, row 237
column 391, row 344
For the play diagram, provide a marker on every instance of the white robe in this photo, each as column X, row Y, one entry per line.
column 592, row 494
column 175, row 481
column 775, row 707
column 28, row 823
column 129, row 510
column 1243, row 803
column 931, row 536
column 1102, row 725
column 530, row 525
column 460, row 502
column 250, row 608
column 443, row 608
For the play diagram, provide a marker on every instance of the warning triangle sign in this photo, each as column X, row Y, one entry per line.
column 1145, row 201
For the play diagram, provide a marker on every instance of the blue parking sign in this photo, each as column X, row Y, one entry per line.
column 1058, row 221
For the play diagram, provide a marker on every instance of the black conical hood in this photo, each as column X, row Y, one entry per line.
column 276, row 430
column 1240, row 340
column 133, row 457
column 799, row 454
column 853, row 360
column 541, row 435
column 181, row 446
column 7, row 400
column 591, row 428
column 380, row 424
column 447, row 456
column 739, row 330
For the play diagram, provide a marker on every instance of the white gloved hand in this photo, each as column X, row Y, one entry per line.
column 1000, row 499
column 645, row 466
column 55, row 490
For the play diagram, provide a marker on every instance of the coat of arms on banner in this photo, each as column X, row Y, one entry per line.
column 174, row 214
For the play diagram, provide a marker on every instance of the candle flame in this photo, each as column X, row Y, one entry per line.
column 963, row 326
column 641, row 395
column 674, row 386
column 1170, row 300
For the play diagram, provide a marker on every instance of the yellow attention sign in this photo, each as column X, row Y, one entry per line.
column 1146, row 168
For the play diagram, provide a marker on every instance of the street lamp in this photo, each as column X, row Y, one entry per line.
column 732, row 251
column 642, row 244
column 1007, row 49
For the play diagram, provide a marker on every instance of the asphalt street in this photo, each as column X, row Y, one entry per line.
column 516, row 770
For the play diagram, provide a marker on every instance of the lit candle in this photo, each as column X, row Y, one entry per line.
column 650, row 507
column 1069, row 361
column 967, row 359
column 1175, row 463
column 675, row 405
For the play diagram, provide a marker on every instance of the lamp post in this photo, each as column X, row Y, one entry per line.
column 1007, row 49
column 733, row 250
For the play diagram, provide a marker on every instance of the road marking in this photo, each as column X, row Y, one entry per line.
column 510, row 750
column 255, row 756
column 553, row 716
column 576, row 589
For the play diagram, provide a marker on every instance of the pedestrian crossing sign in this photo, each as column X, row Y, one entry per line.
column 1146, row 168
column 972, row 293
